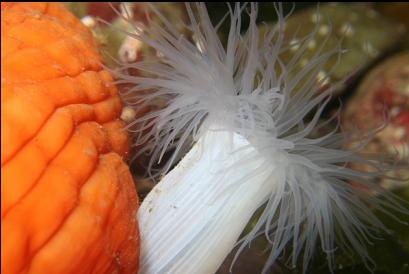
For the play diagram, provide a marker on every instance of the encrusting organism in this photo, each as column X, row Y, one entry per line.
column 238, row 122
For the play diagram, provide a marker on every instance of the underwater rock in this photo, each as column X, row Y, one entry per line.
column 360, row 29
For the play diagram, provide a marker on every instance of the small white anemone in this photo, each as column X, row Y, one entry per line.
column 242, row 115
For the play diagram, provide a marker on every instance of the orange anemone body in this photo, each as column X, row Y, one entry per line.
column 68, row 200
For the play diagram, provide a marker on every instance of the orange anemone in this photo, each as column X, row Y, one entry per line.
column 68, row 200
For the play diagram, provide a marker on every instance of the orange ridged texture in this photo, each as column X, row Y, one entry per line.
column 68, row 200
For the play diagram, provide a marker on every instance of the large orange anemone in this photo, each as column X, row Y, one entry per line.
column 68, row 200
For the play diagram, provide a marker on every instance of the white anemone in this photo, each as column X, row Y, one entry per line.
column 241, row 113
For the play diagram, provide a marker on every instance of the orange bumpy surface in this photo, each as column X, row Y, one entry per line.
column 68, row 201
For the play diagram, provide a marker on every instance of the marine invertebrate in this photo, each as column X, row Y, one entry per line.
column 68, row 200
column 243, row 114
